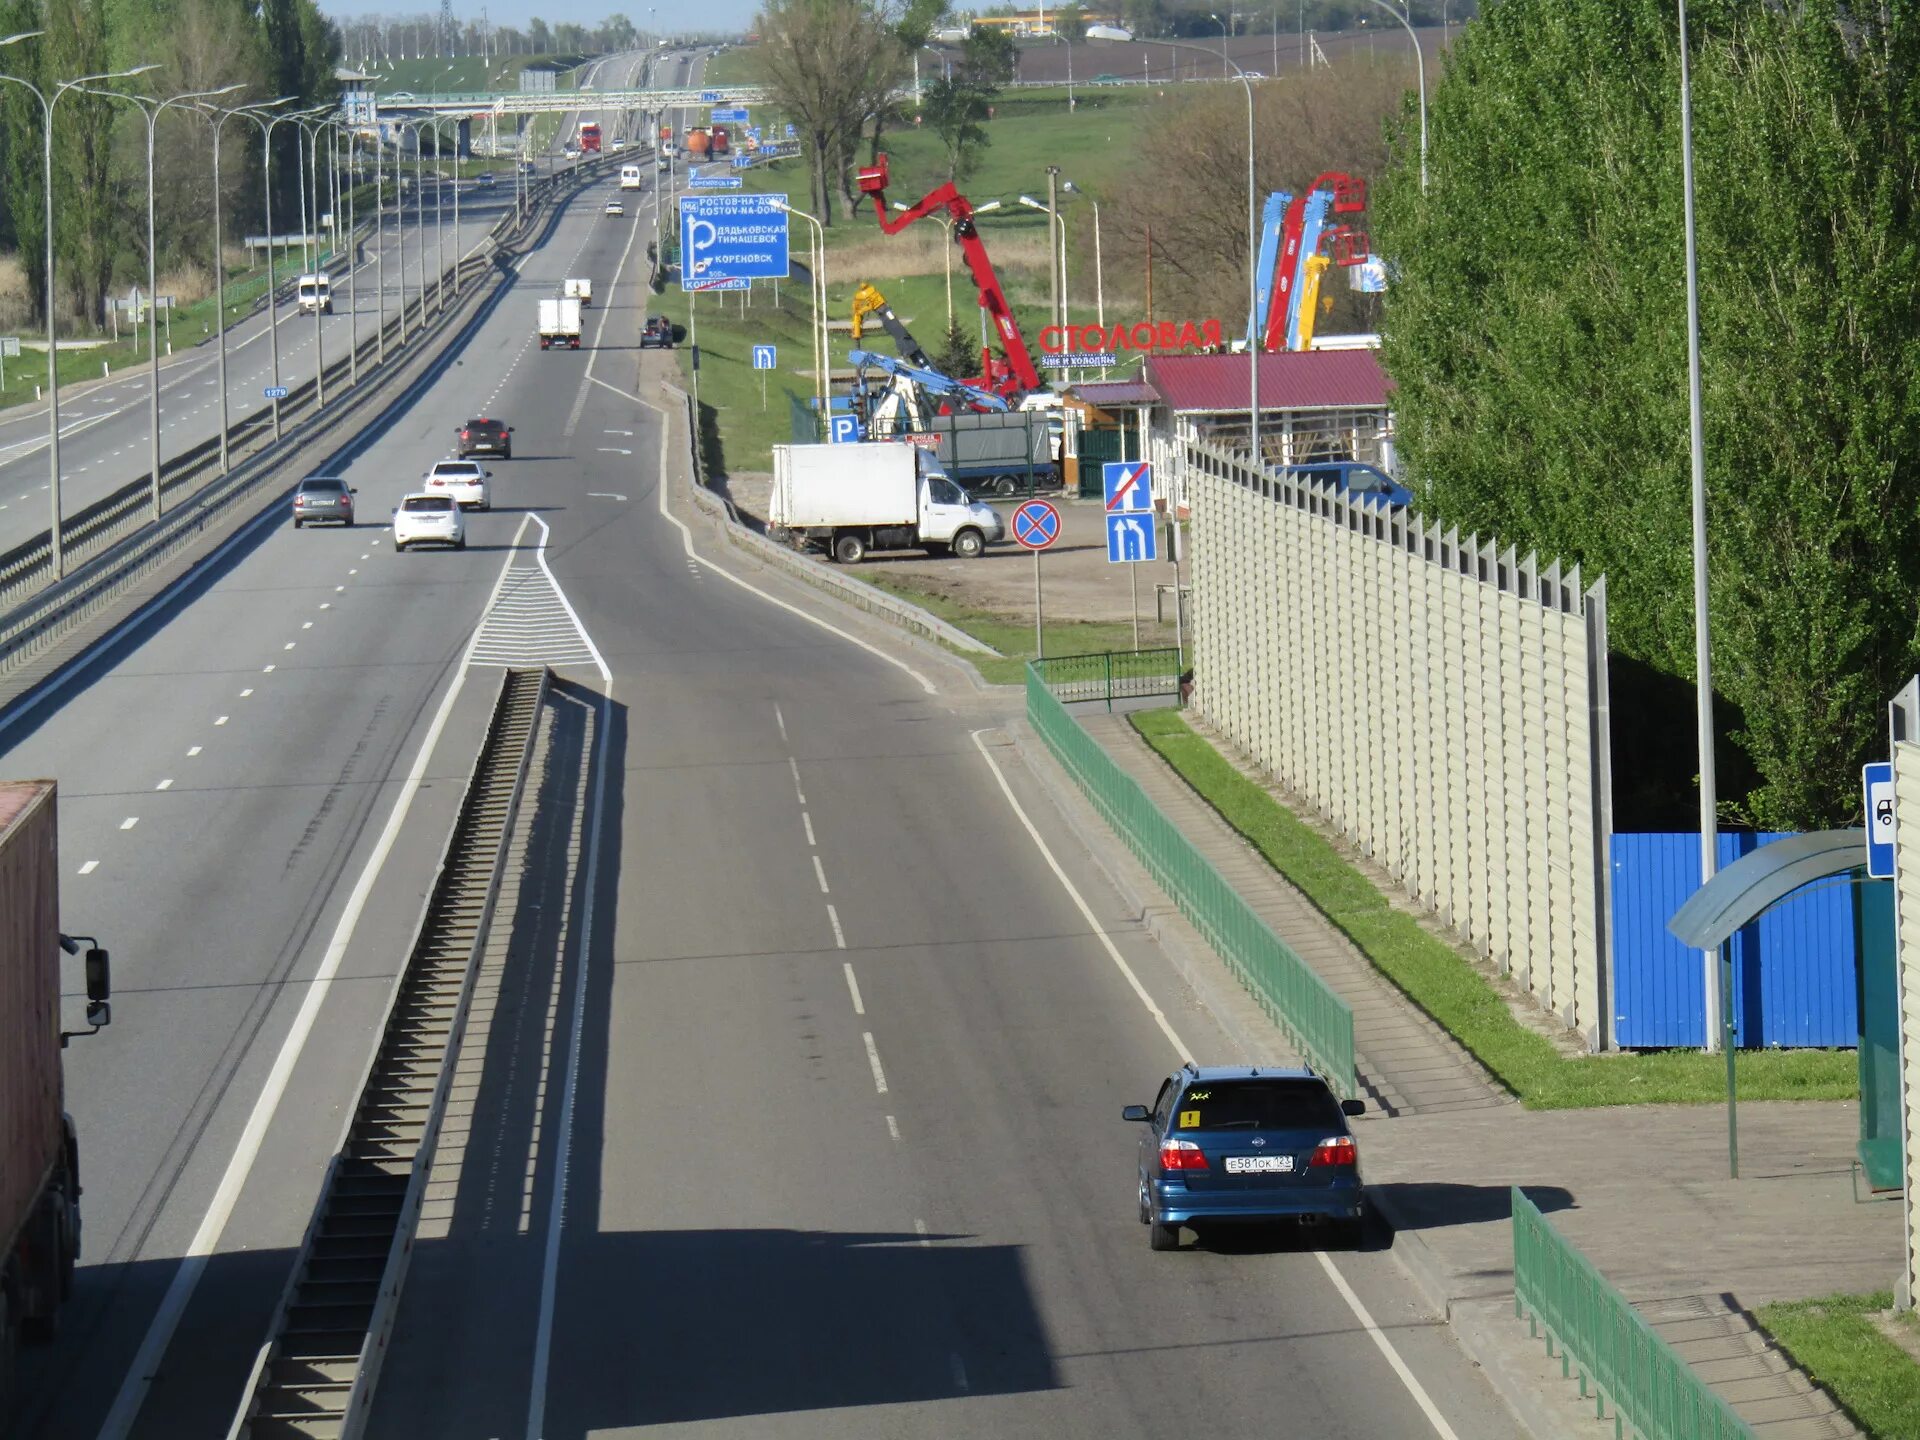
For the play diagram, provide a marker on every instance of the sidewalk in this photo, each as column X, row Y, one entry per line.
column 1642, row 1191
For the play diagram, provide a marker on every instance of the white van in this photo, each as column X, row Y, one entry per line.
column 629, row 177
column 314, row 292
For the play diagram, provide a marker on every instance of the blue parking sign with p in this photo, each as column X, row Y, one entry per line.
column 843, row 429
column 1129, row 486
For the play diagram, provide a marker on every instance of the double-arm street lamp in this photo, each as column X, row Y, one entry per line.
column 266, row 124
column 1420, row 60
column 217, row 118
column 819, row 269
column 56, row 550
column 150, row 111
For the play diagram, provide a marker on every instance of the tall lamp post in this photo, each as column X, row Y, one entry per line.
column 1420, row 60
column 1253, row 255
column 266, row 125
column 217, row 118
column 819, row 303
column 56, row 551
column 310, row 189
column 150, row 110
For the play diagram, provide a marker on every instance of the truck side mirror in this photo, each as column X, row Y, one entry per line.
column 99, row 975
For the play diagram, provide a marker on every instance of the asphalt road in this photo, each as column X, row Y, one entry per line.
column 106, row 430
column 798, row 1110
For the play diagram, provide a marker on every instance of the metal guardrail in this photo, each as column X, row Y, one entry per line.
column 314, row 1379
column 112, row 542
column 1619, row 1356
column 1111, row 675
column 1288, row 989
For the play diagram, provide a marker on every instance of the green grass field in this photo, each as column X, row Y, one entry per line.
column 1837, row 1341
column 1453, row 992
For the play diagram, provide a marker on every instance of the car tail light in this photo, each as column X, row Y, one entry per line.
column 464, row 435
column 1336, row 1150
column 1181, row 1155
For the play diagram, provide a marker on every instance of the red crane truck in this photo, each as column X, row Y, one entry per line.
column 39, row 1155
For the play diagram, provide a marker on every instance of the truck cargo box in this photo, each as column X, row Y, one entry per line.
column 819, row 486
column 972, row 446
column 31, row 1127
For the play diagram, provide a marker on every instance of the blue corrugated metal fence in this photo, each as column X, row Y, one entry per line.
column 1793, row 970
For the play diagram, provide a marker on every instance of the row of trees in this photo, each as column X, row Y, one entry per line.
column 272, row 47
column 1161, row 18
column 369, row 38
column 837, row 67
column 1536, row 329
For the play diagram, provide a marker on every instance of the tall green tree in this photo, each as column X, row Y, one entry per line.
column 1536, row 332
column 87, row 232
column 21, row 156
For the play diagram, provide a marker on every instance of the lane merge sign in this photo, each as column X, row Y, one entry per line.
column 765, row 357
column 1877, row 781
column 1129, row 486
column 1131, row 538
column 1036, row 525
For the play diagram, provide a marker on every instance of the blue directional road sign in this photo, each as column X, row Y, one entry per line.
column 791, row 132
column 714, row 182
column 732, row 237
column 730, row 117
column 1129, row 485
column 1036, row 525
column 843, row 429
column 712, row 97
column 1131, row 539
column 275, row 392
column 764, row 357
column 1878, row 780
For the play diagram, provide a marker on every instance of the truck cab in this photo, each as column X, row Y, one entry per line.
column 314, row 293
column 578, row 289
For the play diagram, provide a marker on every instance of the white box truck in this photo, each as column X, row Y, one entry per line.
column 560, row 324
column 581, row 290
column 882, row 495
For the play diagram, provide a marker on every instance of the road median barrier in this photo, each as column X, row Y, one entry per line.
column 1303, row 1005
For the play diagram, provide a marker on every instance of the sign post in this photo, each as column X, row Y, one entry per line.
column 1131, row 537
column 1036, row 525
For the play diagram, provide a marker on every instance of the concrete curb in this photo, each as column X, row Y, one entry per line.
column 874, row 601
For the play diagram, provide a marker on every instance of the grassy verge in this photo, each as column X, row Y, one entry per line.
column 1458, row 996
column 1836, row 1341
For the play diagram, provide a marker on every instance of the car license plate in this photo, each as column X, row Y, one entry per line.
column 1259, row 1164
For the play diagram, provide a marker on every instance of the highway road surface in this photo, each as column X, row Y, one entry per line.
column 797, row 1111
column 105, row 430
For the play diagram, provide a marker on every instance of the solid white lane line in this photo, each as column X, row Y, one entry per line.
column 89, row 867
column 873, row 1059
column 807, row 820
column 153, row 1347
column 686, row 541
column 820, row 874
column 1086, row 912
column 1407, row 1377
column 166, row 784
column 794, row 765
column 853, row 987
column 129, row 822
column 839, row 938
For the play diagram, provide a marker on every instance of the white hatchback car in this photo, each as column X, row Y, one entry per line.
column 464, row 480
column 427, row 519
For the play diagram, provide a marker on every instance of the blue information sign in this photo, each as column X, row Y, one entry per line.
column 1131, row 538
column 1129, row 485
column 1036, row 525
column 1878, row 781
column 714, row 182
column 733, row 237
column 275, row 392
column 765, row 357
column 736, row 116
column 712, row 97
column 843, row 429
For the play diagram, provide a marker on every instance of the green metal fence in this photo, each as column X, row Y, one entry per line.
column 1298, row 1000
column 1113, row 675
column 1619, row 1357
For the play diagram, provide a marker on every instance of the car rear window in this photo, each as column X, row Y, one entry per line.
column 323, row 487
column 483, row 424
column 429, row 502
column 1258, row 1105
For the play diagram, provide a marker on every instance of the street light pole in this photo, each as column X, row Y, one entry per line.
column 150, row 110
column 1224, row 61
column 1420, row 60
column 821, row 349
column 1702, row 646
column 273, row 308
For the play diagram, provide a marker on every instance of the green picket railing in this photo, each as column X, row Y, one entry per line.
column 1618, row 1355
column 1317, row 1020
column 1111, row 675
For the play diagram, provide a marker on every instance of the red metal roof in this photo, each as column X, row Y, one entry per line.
column 1115, row 392
column 1289, row 380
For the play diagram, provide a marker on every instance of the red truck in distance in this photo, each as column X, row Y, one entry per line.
column 589, row 139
